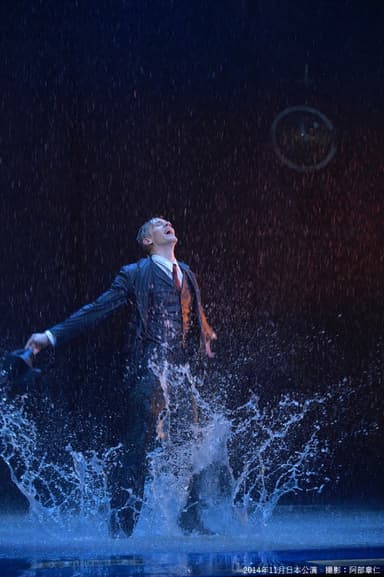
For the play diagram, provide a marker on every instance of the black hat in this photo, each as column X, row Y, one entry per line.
column 17, row 368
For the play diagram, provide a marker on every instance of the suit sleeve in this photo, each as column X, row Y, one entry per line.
column 206, row 329
column 91, row 314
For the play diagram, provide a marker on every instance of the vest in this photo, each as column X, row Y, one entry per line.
column 169, row 311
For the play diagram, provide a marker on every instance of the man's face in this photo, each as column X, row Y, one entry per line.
column 161, row 233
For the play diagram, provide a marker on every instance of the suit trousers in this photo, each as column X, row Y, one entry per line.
column 161, row 411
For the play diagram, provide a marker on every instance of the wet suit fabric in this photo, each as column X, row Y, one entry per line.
column 169, row 324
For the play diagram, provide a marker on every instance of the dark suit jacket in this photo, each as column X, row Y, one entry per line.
column 131, row 285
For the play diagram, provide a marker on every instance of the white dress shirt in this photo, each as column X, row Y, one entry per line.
column 167, row 266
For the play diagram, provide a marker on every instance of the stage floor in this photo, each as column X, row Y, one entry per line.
column 296, row 541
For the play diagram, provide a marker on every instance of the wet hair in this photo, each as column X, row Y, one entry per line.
column 145, row 231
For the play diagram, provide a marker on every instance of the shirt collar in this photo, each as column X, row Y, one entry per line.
column 161, row 260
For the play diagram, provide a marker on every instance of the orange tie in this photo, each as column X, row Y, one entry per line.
column 175, row 277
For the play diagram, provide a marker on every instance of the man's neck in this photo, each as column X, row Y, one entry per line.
column 167, row 252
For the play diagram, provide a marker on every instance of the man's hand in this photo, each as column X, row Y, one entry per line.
column 37, row 342
column 208, row 350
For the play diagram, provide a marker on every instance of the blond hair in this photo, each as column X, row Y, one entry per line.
column 144, row 232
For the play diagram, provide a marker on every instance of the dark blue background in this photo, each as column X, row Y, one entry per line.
column 112, row 112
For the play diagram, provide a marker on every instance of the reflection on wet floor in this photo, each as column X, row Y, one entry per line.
column 297, row 540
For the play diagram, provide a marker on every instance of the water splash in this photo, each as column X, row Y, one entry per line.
column 76, row 486
column 244, row 461
column 280, row 452
column 240, row 463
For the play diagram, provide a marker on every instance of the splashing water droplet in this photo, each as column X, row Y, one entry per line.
column 235, row 466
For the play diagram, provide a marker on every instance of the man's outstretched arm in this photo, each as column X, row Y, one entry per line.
column 86, row 317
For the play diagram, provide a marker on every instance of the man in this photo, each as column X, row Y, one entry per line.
column 169, row 324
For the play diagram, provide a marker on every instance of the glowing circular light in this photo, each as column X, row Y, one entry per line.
column 303, row 138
